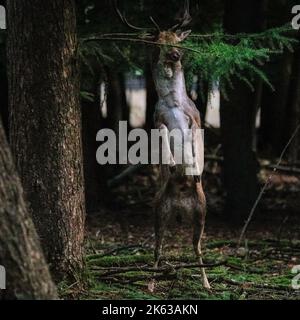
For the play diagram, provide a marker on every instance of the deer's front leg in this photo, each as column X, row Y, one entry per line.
column 199, row 223
column 197, row 150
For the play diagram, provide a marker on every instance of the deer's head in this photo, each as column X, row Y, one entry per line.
column 167, row 54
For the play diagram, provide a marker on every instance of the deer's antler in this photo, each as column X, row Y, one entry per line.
column 185, row 19
column 131, row 26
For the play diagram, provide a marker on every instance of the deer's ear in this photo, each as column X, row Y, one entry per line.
column 182, row 35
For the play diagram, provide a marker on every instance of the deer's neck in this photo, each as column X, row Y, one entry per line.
column 170, row 84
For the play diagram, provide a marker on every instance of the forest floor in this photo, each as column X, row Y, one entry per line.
column 121, row 241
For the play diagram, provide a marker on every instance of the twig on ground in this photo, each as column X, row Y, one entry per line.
column 135, row 247
column 248, row 285
column 165, row 277
column 118, row 249
column 168, row 269
column 232, row 266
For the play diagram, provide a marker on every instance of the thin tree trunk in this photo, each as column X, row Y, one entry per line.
column 27, row 273
column 151, row 98
column 114, row 100
column 274, row 106
column 114, row 112
column 294, row 109
column 261, row 25
column 125, row 105
column 3, row 87
column 274, row 132
column 91, row 123
column 45, row 124
column 201, row 102
column 237, row 117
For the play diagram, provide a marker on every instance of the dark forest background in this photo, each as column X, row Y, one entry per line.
column 53, row 87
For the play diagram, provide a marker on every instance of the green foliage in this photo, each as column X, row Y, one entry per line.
column 221, row 57
column 92, row 51
column 213, row 57
column 87, row 96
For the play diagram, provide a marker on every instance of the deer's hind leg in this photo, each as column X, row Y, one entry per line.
column 199, row 222
column 163, row 210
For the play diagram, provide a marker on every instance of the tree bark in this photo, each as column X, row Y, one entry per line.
column 91, row 123
column 237, row 117
column 27, row 273
column 45, row 124
column 3, row 97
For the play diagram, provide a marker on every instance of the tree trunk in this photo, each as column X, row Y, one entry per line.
column 201, row 102
column 115, row 112
column 45, row 124
column 125, row 105
column 151, row 98
column 27, row 273
column 294, row 109
column 3, row 86
column 114, row 100
column 91, row 123
column 274, row 106
column 4, row 99
column 237, row 116
column 274, row 109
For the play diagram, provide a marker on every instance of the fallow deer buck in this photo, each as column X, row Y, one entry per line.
column 175, row 110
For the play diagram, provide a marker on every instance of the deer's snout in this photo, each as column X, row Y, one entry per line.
column 174, row 55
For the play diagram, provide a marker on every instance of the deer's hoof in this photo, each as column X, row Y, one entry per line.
column 206, row 285
column 151, row 286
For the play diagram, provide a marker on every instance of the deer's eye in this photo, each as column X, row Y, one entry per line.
column 174, row 56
